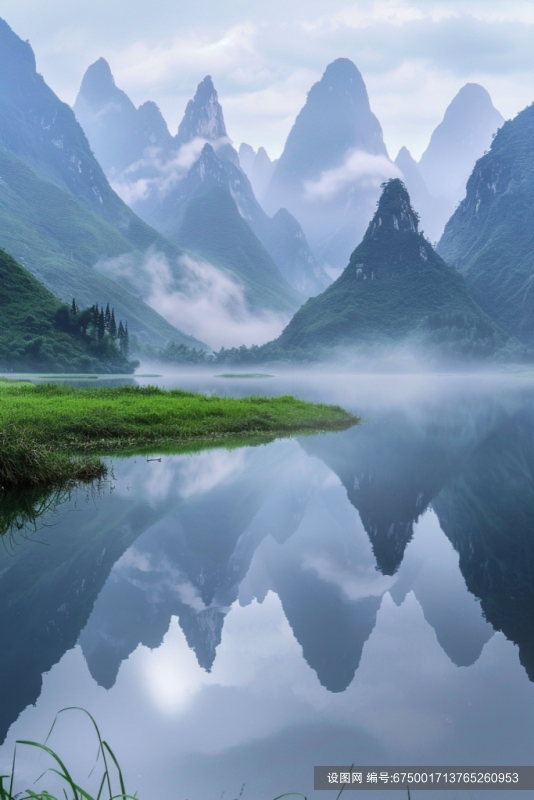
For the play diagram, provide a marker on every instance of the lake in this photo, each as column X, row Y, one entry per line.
column 234, row 617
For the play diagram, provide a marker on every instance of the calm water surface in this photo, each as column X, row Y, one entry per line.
column 235, row 617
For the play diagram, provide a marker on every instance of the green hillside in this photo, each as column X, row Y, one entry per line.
column 395, row 288
column 58, row 214
column 59, row 240
column 490, row 237
column 214, row 229
column 35, row 332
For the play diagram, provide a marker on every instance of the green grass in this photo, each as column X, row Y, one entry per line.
column 45, row 427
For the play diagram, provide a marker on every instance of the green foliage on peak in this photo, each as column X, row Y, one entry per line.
column 396, row 288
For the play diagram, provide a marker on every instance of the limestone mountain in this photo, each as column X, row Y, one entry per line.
column 395, row 288
column 433, row 210
column 437, row 183
column 258, row 168
column 459, row 140
column 333, row 161
column 490, row 238
column 213, row 228
column 118, row 131
column 170, row 171
column 58, row 214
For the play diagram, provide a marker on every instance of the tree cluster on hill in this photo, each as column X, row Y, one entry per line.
column 39, row 333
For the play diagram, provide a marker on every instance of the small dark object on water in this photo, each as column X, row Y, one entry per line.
column 154, row 459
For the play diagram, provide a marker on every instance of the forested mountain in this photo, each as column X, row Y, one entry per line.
column 58, row 214
column 39, row 333
column 490, row 238
column 395, row 288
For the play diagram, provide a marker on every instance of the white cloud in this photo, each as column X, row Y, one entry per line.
column 211, row 305
column 359, row 168
column 356, row 583
column 204, row 301
column 157, row 173
column 202, row 472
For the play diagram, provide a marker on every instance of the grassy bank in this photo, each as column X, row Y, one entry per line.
column 44, row 428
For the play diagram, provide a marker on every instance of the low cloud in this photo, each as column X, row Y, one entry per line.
column 363, row 169
column 158, row 172
column 197, row 298
column 356, row 583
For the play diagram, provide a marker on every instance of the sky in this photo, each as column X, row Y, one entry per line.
column 414, row 55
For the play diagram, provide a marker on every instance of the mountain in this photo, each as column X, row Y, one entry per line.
column 58, row 213
column 434, row 211
column 258, row 168
column 168, row 172
column 490, row 237
column 459, row 140
column 213, row 228
column 333, row 161
column 34, row 330
column 119, row 132
column 395, row 288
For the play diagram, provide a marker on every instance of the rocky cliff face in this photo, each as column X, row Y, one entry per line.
column 490, row 237
column 165, row 173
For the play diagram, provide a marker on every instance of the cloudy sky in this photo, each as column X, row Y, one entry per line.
column 264, row 56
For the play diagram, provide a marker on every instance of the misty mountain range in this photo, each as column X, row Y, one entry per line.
column 217, row 240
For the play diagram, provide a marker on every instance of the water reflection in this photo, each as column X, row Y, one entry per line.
column 317, row 553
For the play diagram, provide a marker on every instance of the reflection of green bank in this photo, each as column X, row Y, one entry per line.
column 45, row 427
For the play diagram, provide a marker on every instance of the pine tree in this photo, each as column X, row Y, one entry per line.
column 101, row 327
column 120, row 335
column 74, row 307
column 126, row 345
column 113, row 325
column 107, row 319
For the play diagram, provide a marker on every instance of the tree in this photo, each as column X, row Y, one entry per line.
column 113, row 325
column 101, row 326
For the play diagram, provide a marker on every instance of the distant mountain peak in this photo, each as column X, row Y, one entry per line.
column 98, row 84
column 394, row 212
column 461, row 138
column 203, row 116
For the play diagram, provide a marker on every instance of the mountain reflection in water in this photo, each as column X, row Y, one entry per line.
column 325, row 524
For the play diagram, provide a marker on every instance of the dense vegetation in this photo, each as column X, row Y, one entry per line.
column 39, row 333
column 490, row 237
column 49, row 419
column 395, row 289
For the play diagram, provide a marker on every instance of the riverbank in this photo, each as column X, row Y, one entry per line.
column 49, row 431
